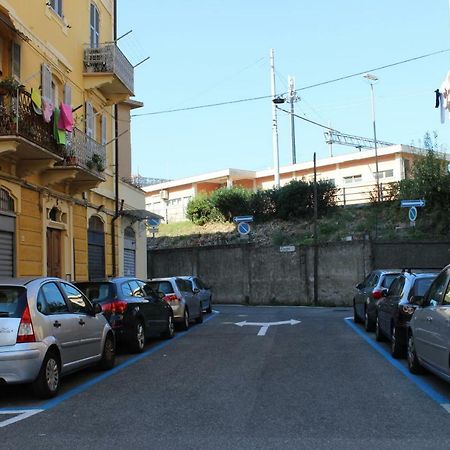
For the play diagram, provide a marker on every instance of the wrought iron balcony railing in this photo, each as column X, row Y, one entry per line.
column 108, row 58
column 83, row 151
column 18, row 118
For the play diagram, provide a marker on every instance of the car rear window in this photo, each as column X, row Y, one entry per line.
column 161, row 286
column 12, row 301
column 97, row 292
column 388, row 279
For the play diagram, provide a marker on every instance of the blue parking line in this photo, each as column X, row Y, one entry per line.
column 417, row 380
column 88, row 384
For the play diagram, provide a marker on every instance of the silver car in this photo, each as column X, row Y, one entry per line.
column 179, row 294
column 202, row 290
column 429, row 331
column 47, row 329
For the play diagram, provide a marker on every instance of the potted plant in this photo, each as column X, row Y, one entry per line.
column 9, row 86
column 97, row 162
column 71, row 159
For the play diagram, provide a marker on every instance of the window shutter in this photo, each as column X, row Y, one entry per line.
column 103, row 142
column 46, row 82
column 15, row 63
column 89, row 120
column 67, row 94
column 1, row 56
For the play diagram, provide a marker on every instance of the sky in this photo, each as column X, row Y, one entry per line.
column 211, row 51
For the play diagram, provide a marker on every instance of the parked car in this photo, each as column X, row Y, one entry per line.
column 134, row 314
column 203, row 292
column 370, row 291
column 395, row 310
column 429, row 331
column 184, row 301
column 48, row 328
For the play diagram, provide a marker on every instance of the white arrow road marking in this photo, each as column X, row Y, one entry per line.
column 264, row 326
column 21, row 415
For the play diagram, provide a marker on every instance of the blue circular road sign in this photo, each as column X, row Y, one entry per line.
column 412, row 214
column 243, row 228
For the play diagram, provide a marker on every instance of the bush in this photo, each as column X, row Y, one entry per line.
column 263, row 205
column 231, row 201
column 201, row 210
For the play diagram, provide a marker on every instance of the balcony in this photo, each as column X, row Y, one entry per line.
column 107, row 69
column 28, row 141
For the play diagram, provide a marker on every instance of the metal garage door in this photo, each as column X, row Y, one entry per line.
column 129, row 253
column 96, row 249
column 7, row 229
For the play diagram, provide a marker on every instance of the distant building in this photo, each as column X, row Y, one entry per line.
column 354, row 175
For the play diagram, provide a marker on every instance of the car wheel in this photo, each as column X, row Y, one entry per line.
column 48, row 381
column 378, row 333
column 414, row 365
column 185, row 323
column 138, row 341
column 397, row 350
column 170, row 328
column 367, row 322
column 199, row 319
column 209, row 308
column 356, row 318
column 109, row 354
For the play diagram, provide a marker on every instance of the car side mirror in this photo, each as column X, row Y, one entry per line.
column 97, row 308
column 417, row 300
column 359, row 286
column 196, row 290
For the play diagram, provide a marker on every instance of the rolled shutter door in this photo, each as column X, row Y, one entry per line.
column 6, row 254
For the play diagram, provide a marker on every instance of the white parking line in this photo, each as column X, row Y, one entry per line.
column 21, row 415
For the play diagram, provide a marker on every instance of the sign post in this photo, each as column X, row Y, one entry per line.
column 412, row 205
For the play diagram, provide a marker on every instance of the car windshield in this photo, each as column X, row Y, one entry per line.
column 388, row 279
column 12, row 301
column 97, row 292
column 422, row 285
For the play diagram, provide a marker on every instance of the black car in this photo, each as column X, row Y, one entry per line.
column 134, row 314
column 370, row 291
column 395, row 310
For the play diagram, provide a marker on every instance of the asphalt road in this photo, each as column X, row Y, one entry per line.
column 322, row 383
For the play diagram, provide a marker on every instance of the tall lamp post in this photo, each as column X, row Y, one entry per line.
column 372, row 79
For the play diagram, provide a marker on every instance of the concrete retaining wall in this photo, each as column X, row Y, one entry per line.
column 266, row 276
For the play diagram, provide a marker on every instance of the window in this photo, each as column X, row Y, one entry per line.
column 51, row 301
column 12, row 301
column 437, row 290
column 6, row 201
column 388, row 279
column 95, row 27
column 352, row 179
column 384, row 174
column 161, row 286
column 421, row 286
column 396, row 288
column 15, row 60
column 136, row 289
column 77, row 300
column 90, row 120
column 56, row 5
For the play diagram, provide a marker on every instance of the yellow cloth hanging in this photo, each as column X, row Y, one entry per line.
column 36, row 98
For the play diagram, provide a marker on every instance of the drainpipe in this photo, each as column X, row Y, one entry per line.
column 116, row 169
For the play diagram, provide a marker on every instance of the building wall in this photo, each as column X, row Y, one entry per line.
column 59, row 43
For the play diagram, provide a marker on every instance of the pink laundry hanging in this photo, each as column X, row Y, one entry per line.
column 47, row 110
column 65, row 121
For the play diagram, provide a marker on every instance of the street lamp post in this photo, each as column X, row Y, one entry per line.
column 372, row 80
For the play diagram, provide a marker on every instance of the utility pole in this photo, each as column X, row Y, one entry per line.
column 292, row 98
column 275, row 149
column 316, row 246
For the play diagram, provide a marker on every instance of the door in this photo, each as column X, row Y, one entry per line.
column 157, row 310
column 96, row 249
column 193, row 302
column 388, row 309
column 60, row 323
column 90, row 327
column 129, row 253
column 53, row 252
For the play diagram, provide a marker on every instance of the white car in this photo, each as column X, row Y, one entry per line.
column 48, row 328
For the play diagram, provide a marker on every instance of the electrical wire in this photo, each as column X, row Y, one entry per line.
column 264, row 97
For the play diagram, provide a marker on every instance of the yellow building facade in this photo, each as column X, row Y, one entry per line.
column 64, row 209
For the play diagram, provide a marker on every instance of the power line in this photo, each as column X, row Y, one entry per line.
column 263, row 97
